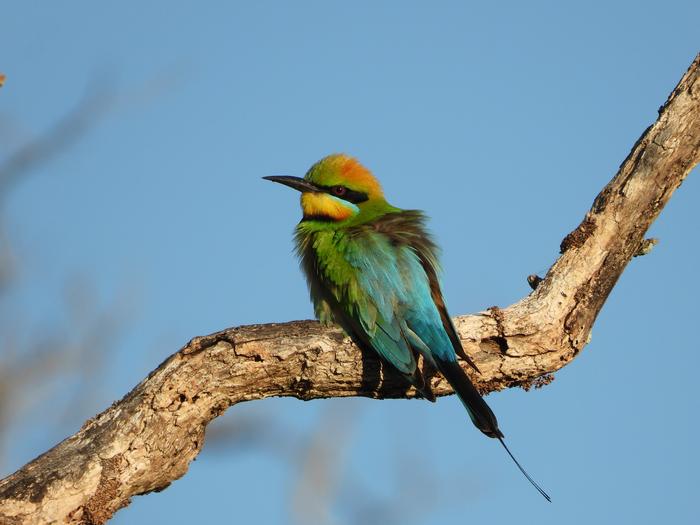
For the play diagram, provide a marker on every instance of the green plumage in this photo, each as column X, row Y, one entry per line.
column 378, row 280
column 373, row 269
column 356, row 273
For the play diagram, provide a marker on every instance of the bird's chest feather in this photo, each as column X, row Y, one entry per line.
column 352, row 265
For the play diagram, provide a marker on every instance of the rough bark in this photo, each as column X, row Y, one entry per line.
column 146, row 440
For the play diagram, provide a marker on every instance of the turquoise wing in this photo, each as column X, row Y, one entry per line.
column 392, row 303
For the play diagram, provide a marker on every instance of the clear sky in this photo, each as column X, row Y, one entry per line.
column 501, row 120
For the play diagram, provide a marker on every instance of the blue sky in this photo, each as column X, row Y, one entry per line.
column 501, row 120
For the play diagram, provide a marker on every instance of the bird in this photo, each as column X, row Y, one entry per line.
column 373, row 269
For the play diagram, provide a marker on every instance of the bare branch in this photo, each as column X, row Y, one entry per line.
column 146, row 440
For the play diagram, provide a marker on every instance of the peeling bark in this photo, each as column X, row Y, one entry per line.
column 147, row 439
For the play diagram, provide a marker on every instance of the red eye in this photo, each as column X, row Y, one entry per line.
column 339, row 190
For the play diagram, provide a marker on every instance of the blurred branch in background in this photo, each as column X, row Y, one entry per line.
column 37, row 360
column 58, row 139
column 416, row 492
column 44, row 359
column 321, row 466
column 315, row 455
column 64, row 365
column 326, row 490
column 99, row 100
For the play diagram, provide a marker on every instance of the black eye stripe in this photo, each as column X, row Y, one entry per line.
column 349, row 195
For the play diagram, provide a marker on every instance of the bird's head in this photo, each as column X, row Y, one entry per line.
column 337, row 188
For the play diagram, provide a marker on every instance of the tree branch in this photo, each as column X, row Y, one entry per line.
column 146, row 440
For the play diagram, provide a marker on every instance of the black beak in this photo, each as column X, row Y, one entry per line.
column 293, row 182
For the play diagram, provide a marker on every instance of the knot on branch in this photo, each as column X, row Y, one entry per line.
column 578, row 237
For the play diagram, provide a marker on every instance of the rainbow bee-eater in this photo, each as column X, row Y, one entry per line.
column 373, row 269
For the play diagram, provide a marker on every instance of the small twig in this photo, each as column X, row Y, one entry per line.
column 534, row 281
column 646, row 246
